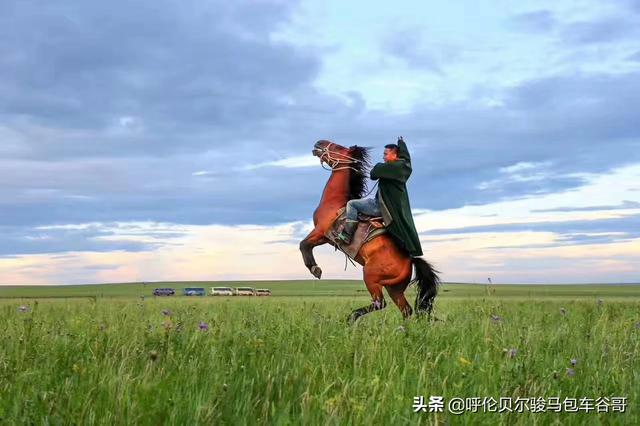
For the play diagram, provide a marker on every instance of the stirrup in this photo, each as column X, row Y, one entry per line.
column 345, row 238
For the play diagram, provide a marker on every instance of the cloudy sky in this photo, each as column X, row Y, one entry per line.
column 165, row 140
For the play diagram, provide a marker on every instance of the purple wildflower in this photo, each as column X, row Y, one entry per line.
column 166, row 312
column 571, row 372
column 511, row 353
column 574, row 362
column 23, row 309
column 563, row 311
column 203, row 326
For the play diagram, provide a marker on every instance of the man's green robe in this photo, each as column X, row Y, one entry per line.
column 393, row 199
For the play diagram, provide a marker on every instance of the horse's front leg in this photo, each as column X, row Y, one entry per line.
column 315, row 238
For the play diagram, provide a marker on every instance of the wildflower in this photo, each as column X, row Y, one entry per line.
column 563, row 311
column 464, row 361
column 638, row 324
column 203, row 326
column 153, row 355
column 102, row 327
column 574, row 362
column 495, row 318
column 571, row 372
column 600, row 302
column 23, row 309
column 166, row 312
column 511, row 353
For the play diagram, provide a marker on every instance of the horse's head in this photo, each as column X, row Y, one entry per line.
column 324, row 150
column 337, row 156
column 355, row 159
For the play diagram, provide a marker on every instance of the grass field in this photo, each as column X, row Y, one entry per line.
column 101, row 354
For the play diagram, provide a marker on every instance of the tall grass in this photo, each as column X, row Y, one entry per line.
column 284, row 361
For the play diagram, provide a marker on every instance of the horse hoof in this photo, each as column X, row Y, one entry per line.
column 316, row 271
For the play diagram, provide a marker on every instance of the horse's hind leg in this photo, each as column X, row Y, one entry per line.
column 396, row 292
column 377, row 301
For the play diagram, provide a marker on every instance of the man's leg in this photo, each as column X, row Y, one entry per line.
column 368, row 206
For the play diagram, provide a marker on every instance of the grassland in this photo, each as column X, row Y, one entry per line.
column 103, row 355
column 322, row 288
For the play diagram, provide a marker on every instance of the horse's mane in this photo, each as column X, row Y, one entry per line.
column 358, row 179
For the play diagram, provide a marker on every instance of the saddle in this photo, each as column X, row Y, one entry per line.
column 368, row 228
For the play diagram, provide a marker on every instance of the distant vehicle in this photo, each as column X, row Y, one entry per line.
column 194, row 291
column 222, row 291
column 245, row 291
column 164, row 292
column 263, row 292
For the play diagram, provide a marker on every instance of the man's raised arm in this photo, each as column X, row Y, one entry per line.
column 403, row 151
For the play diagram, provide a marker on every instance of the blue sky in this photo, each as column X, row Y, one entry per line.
column 158, row 140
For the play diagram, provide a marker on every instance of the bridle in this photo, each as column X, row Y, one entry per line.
column 339, row 161
column 336, row 160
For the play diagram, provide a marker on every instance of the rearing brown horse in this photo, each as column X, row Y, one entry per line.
column 385, row 264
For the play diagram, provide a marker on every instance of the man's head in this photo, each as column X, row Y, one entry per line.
column 390, row 153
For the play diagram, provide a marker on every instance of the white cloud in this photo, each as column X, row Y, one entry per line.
column 288, row 162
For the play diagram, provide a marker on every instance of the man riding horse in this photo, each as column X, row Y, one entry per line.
column 391, row 200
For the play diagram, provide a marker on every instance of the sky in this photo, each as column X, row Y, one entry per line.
column 164, row 140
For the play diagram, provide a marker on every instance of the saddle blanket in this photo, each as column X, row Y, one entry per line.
column 368, row 229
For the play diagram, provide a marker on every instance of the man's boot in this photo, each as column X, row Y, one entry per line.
column 347, row 232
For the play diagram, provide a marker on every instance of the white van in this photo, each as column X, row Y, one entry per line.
column 222, row 291
column 245, row 291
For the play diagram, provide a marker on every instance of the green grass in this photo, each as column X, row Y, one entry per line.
column 291, row 359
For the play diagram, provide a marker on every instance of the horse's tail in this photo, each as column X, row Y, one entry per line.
column 427, row 282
